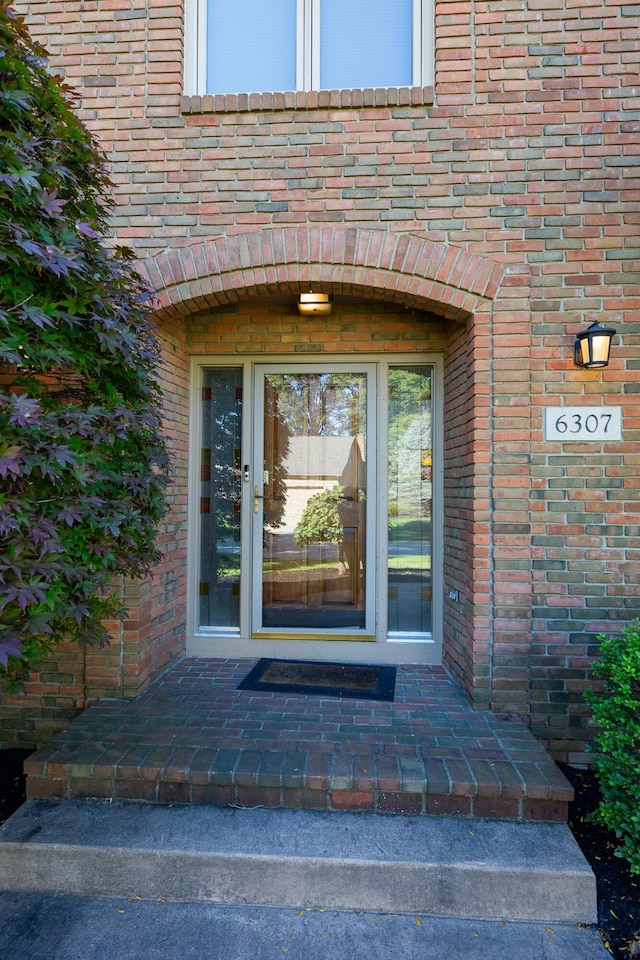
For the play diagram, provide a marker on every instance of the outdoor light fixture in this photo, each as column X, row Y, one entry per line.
column 592, row 346
column 314, row 303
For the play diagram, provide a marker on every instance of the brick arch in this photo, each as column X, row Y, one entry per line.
column 371, row 264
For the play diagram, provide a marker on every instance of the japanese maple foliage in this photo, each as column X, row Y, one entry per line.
column 83, row 464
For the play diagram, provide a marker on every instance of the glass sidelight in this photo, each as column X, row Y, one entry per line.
column 410, row 497
column 220, row 497
column 311, row 499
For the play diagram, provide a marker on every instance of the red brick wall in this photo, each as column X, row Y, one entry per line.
column 466, row 508
column 153, row 636
column 525, row 154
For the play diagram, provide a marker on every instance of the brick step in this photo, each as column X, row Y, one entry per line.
column 195, row 737
column 377, row 784
column 299, row 858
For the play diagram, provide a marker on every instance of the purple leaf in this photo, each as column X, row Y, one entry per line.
column 9, row 648
column 70, row 515
column 30, row 246
column 50, row 205
column 23, row 595
column 37, row 316
column 25, row 410
column 86, row 230
column 8, row 461
column 62, row 455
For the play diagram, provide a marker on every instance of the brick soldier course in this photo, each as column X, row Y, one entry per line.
column 487, row 218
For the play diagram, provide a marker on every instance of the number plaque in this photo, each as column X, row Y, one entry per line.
column 578, row 424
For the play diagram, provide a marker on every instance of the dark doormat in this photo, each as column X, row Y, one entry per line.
column 358, row 681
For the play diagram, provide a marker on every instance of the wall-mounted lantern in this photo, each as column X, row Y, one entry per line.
column 314, row 304
column 592, row 346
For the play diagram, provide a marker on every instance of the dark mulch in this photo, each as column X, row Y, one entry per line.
column 12, row 781
column 618, row 889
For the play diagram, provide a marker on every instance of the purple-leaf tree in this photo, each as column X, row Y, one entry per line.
column 83, row 462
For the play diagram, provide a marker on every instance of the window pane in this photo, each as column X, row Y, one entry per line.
column 365, row 43
column 251, row 46
column 314, row 505
column 410, row 492
column 220, row 465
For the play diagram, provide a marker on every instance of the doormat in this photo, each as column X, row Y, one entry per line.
column 353, row 680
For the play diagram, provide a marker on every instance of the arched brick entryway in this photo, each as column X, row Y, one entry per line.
column 483, row 298
column 404, row 269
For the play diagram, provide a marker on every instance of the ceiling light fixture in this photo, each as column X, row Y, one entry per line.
column 314, row 304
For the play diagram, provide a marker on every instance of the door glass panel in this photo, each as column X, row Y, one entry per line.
column 220, row 465
column 314, row 497
column 410, row 498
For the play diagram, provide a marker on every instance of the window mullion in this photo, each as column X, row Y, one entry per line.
column 304, row 44
column 314, row 62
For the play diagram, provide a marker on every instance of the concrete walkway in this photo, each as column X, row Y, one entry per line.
column 94, row 880
column 444, row 866
column 50, row 927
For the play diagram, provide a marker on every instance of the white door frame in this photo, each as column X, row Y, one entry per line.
column 243, row 642
column 367, row 634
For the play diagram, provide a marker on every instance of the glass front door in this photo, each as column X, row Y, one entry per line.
column 310, row 500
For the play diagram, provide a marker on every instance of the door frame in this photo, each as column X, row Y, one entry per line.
column 244, row 642
column 372, row 517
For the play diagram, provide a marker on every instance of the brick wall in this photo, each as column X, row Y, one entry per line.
column 525, row 154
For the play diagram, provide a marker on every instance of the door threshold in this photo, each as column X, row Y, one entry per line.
column 349, row 651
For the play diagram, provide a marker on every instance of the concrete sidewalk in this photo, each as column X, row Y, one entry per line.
column 53, row 927
column 87, row 880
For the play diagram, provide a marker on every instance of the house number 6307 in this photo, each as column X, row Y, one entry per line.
column 583, row 423
column 578, row 423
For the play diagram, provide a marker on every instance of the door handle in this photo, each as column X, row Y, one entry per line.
column 256, row 500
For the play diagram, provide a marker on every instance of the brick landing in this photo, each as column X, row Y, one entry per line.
column 194, row 738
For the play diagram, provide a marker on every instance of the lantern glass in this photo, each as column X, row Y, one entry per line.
column 600, row 350
column 592, row 346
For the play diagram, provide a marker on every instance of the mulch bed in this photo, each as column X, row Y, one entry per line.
column 12, row 781
column 618, row 889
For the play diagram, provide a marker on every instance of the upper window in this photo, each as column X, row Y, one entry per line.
column 258, row 46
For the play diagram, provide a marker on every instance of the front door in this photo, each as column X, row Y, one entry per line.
column 313, row 501
column 313, row 525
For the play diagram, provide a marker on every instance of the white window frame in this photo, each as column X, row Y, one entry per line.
column 307, row 45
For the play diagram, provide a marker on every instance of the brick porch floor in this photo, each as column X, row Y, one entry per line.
column 194, row 738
